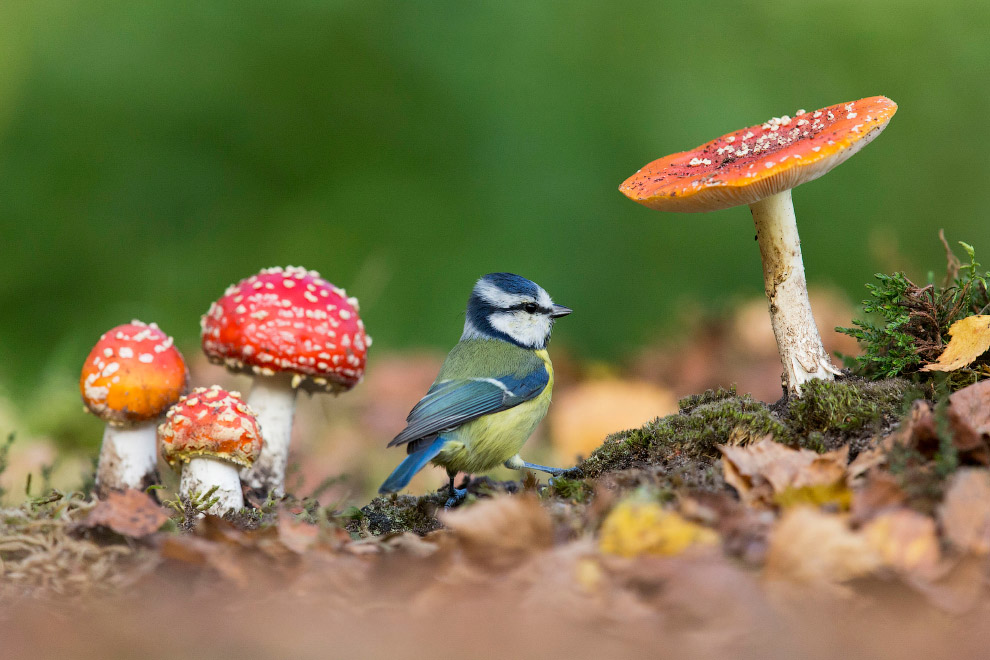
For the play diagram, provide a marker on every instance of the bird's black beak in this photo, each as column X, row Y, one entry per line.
column 560, row 310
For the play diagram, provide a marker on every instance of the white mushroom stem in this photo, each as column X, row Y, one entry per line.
column 273, row 400
column 128, row 458
column 798, row 341
column 202, row 473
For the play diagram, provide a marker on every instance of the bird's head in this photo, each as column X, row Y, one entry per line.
column 511, row 308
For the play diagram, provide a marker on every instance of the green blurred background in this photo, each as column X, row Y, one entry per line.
column 153, row 153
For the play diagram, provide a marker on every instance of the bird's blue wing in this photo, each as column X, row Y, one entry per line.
column 451, row 403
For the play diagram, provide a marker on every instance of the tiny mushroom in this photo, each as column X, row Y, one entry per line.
column 210, row 434
column 290, row 329
column 758, row 166
column 130, row 378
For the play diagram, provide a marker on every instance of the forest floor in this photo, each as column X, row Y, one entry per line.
column 852, row 521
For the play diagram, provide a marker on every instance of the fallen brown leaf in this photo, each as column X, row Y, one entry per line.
column 880, row 492
column 970, row 338
column 969, row 419
column 296, row 535
column 905, row 540
column 129, row 513
column 764, row 472
column 965, row 511
column 818, row 549
column 499, row 531
column 957, row 587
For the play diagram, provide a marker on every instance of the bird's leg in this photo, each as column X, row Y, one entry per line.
column 456, row 495
column 517, row 463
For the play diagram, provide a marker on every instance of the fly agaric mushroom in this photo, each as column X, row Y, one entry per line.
column 210, row 434
column 129, row 379
column 758, row 166
column 291, row 330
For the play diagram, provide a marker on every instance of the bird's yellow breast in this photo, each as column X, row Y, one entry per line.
column 489, row 441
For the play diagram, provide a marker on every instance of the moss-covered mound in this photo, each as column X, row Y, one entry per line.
column 680, row 452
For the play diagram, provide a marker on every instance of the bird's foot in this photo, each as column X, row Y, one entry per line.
column 457, row 496
column 569, row 473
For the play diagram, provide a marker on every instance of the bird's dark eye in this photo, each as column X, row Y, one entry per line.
column 530, row 308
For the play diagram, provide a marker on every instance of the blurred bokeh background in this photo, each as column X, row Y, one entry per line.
column 152, row 154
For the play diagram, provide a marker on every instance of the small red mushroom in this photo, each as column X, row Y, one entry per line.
column 758, row 166
column 130, row 378
column 209, row 434
column 291, row 330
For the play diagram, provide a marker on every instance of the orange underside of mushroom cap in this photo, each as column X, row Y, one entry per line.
column 210, row 422
column 753, row 163
column 133, row 374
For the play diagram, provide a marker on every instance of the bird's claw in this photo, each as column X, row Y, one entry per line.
column 569, row 473
column 458, row 496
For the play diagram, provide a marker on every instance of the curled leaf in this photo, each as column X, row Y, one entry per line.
column 970, row 338
column 769, row 473
column 129, row 513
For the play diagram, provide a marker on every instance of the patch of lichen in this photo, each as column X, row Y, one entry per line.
column 393, row 513
column 705, row 421
column 847, row 412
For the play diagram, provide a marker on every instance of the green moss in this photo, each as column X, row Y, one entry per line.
column 680, row 448
column 690, row 402
column 704, row 422
column 575, row 490
column 398, row 513
column 848, row 406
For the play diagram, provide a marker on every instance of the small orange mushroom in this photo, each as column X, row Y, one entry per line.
column 130, row 378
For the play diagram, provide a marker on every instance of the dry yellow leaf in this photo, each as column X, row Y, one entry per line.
column 646, row 528
column 970, row 338
column 906, row 540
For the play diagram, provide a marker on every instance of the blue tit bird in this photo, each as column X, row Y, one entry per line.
column 492, row 391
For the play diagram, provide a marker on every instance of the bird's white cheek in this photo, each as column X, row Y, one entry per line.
column 526, row 329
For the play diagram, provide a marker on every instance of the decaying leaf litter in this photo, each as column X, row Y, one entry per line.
column 713, row 529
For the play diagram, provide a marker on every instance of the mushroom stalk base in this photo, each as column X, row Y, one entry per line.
column 201, row 474
column 128, row 458
column 798, row 342
column 273, row 400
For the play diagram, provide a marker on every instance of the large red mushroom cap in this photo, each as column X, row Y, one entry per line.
column 133, row 374
column 753, row 163
column 288, row 320
column 212, row 423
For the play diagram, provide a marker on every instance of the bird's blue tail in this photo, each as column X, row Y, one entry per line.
column 414, row 462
